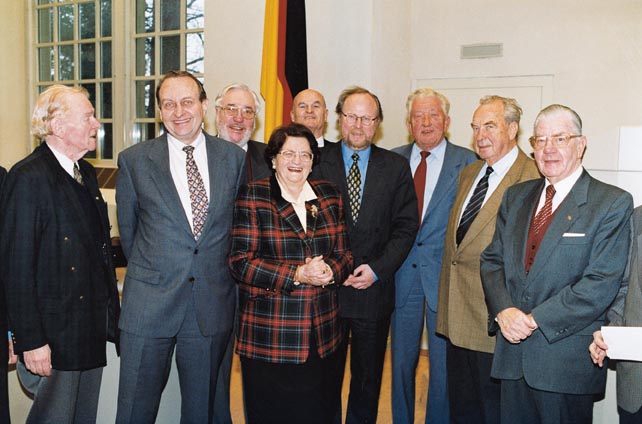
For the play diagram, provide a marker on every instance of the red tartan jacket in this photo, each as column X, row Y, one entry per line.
column 268, row 243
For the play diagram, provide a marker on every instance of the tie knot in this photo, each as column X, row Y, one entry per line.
column 189, row 150
column 424, row 154
column 355, row 157
column 550, row 192
column 489, row 170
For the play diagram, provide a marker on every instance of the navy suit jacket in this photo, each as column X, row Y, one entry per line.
column 59, row 279
column 167, row 268
column 423, row 263
column 385, row 230
column 575, row 276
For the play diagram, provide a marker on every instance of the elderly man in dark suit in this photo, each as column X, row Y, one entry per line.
column 626, row 310
column 554, row 266
column 175, row 197
column 436, row 164
column 382, row 223
column 56, row 264
column 309, row 109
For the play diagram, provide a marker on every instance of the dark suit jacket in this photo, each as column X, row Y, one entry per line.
column 576, row 274
column 3, row 307
column 255, row 161
column 423, row 264
column 385, row 230
column 268, row 243
column 166, row 266
column 60, row 285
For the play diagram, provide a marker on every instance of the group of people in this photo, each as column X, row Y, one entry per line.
column 297, row 251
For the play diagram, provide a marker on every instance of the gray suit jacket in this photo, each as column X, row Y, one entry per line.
column 462, row 314
column 627, row 311
column 167, row 268
column 423, row 264
column 575, row 276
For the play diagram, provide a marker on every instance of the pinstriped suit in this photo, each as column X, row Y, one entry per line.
column 268, row 243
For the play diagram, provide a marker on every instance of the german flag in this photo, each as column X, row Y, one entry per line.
column 284, row 69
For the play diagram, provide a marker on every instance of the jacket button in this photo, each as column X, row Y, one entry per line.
column 420, row 244
column 81, row 298
column 414, row 265
column 192, row 279
column 73, row 269
column 196, row 251
column 454, row 263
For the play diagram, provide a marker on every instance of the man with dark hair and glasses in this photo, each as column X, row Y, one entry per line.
column 381, row 214
column 554, row 266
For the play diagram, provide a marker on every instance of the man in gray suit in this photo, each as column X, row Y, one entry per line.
column 626, row 310
column 553, row 268
column 435, row 164
column 175, row 197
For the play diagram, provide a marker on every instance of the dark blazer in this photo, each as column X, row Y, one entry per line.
column 576, row 274
column 60, row 284
column 423, row 264
column 257, row 167
column 385, row 230
column 4, row 348
column 166, row 266
column 268, row 243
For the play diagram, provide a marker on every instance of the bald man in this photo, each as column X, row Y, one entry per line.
column 309, row 109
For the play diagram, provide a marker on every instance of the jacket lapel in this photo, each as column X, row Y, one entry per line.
column 447, row 179
column 285, row 209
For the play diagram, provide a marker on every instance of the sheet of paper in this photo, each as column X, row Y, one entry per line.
column 624, row 342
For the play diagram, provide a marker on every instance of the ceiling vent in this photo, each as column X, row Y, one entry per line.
column 482, row 51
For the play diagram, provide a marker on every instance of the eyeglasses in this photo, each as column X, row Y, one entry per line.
column 246, row 112
column 303, row 156
column 559, row 140
column 351, row 118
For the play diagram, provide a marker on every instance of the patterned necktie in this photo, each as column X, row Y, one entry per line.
column 197, row 193
column 354, row 188
column 420, row 182
column 78, row 175
column 544, row 214
column 473, row 206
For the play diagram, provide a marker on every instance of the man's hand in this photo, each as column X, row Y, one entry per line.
column 361, row 278
column 515, row 324
column 13, row 358
column 38, row 361
column 598, row 348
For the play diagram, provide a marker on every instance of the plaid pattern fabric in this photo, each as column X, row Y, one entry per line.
column 268, row 243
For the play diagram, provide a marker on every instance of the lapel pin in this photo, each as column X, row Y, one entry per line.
column 569, row 217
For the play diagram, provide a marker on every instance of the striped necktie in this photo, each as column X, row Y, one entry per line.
column 473, row 206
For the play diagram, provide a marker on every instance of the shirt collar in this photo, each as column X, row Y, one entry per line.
column 503, row 165
column 177, row 144
column 364, row 155
column 306, row 194
column 438, row 152
column 66, row 163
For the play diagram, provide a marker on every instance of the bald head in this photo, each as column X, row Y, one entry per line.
column 309, row 109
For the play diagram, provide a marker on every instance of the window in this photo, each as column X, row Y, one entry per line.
column 84, row 42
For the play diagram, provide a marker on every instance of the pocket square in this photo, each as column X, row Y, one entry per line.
column 573, row 235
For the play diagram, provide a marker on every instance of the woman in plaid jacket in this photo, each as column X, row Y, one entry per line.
column 289, row 247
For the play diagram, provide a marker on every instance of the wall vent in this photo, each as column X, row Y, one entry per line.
column 482, row 51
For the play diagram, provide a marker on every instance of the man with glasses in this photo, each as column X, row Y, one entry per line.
column 554, row 266
column 308, row 108
column 436, row 164
column 236, row 109
column 462, row 316
column 381, row 214
column 175, row 198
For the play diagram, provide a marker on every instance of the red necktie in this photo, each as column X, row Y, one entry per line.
column 420, row 182
column 544, row 214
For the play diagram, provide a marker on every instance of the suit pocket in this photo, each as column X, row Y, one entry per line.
column 144, row 275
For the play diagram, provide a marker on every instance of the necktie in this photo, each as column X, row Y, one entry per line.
column 473, row 206
column 544, row 214
column 197, row 193
column 78, row 175
column 420, row 182
column 354, row 188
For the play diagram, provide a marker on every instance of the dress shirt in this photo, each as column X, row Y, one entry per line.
column 320, row 141
column 178, row 168
column 362, row 164
column 298, row 203
column 66, row 163
column 562, row 189
column 500, row 169
column 434, row 163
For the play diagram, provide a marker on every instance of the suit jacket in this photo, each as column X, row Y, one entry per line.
column 167, row 268
column 423, row 263
column 59, row 280
column 385, row 230
column 626, row 310
column 255, row 161
column 462, row 314
column 268, row 243
column 3, row 307
column 575, row 276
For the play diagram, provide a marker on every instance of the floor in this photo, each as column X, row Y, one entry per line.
column 385, row 414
